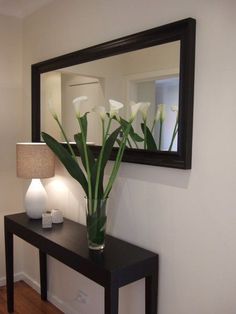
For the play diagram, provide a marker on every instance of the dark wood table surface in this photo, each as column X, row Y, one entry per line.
column 119, row 264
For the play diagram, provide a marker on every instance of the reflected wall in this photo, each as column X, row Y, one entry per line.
column 150, row 75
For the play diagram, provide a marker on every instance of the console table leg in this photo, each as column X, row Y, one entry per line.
column 151, row 285
column 43, row 274
column 9, row 270
column 111, row 299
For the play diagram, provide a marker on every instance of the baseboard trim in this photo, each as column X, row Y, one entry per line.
column 17, row 277
column 61, row 305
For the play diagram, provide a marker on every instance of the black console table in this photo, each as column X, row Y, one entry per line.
column 119, row 264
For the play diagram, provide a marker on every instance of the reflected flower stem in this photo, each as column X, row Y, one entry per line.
column 160, row 134
column 145, row 134
column 135, row 143
column 153, row 125
column 129, row 143
column 128, row 140
column 175, row 131
column 103, row 131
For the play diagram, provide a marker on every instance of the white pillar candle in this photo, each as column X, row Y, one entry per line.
column 47, row 220
column 57, row 216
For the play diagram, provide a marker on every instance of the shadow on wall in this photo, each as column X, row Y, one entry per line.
column 165, row 176
column 64, row 192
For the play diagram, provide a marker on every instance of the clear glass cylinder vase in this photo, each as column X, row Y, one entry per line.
column 96, row 219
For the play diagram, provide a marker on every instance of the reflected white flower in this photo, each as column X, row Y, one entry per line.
column 135, row 107
column 101, row 110
column 77, row 102
column 174, row 108
column 115, row 106
column 144, row 109
column 160, row 113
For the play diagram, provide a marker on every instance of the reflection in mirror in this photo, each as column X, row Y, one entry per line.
column 149, row 74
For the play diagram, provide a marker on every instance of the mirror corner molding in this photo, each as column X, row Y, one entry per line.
column 183, row 31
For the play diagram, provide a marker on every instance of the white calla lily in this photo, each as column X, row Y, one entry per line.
column 144, row 109
column 115, row 106
column 135, row 107
column 163, row 112
column 174, row 108
column 101, row 110
column 160, row 114
column 77, row 102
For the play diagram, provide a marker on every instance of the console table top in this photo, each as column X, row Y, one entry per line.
column 71, row 237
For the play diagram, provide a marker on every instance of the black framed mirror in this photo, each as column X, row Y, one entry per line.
column 156, row 65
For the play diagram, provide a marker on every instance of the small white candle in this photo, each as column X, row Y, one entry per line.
column 47, row 220
column 57, row 216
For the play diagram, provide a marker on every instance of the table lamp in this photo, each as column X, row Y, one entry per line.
column 35, row 161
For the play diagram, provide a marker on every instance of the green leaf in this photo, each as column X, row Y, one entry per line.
column 94, row 175
column 68, row 161
column 91, row 159
column 122, row 122
column 79, row 143
column 84, row 123
column 108, row 145
column 135, row 136
column 151, row 144
column 118, row 141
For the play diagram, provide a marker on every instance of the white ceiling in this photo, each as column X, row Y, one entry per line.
column 21, row 8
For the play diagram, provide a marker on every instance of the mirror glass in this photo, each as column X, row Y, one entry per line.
column 145, row 75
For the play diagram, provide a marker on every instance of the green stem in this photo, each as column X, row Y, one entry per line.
column 153, row 125
column 173, row 135
column 117, row 161
column 130, row 145
column 160, row 135
column 128, row 141
column 86, row 159
column 103, row 132
column 176, row 131
column 135, row 143
column 145, row 134
column 100, row 162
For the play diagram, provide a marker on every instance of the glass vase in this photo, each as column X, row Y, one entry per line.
column 96, row 219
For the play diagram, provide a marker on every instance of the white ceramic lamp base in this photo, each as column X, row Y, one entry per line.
column 35, row 199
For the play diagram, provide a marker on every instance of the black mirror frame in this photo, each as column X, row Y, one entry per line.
column 184, row 31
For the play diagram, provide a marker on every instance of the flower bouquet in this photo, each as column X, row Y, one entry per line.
column 91, row 174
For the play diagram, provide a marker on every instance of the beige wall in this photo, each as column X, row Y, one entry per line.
column 10, row 122
column 188, row 217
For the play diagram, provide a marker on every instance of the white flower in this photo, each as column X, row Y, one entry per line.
column 77, row 104
column 134, row 109
column 101, row 110
column 160, row 114
column 144, row 109
column 115, row 106
column 174, row 108
column 52, row 110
